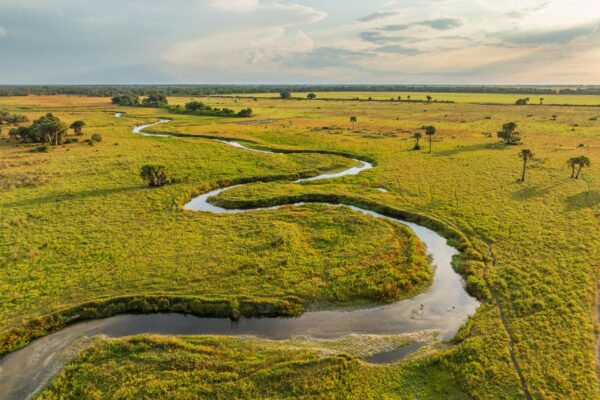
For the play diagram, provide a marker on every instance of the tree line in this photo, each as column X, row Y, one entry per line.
column 207, row 90
column 199, row 108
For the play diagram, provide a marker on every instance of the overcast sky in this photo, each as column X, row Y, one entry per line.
column 300, row 41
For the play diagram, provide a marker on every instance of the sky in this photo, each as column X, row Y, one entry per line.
column 300, row 41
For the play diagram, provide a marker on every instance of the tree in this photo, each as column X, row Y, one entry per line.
column 195, row 106
column 541, row 100
column 430, row 131
column 46, row 129
column 245, row 113
column 155, row 175
column 311, row 96
column 522, row 102
column 572, row 163
column 77, row 127
column 429, row 98
column 286, row 95
column 582, row 161
column 353, row 120
column 417, row 136
column 509, row 134
column 155, row 100
column 525, row 155
column 130, row 100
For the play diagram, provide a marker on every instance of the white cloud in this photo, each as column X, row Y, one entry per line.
column 3, row 32
column 234, row 5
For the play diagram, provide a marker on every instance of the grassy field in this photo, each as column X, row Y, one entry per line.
column 227, row 368
column 77, row 225
column 498, row 98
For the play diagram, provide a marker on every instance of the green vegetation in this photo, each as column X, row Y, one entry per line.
column 77, row 127
column 46, row 129
column 155, row 175
column 525, row 155
column 201, row 109
column 533, row 247
column 509, row 134
column 227, row 368
column 129, row 100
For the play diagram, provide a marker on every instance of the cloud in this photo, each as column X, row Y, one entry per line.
column 545, row 37
column 522, row 13
column 327, row 57
column 397, row 49
column 234, row 5
column 378, row 16
column 379, row 38
column 440, row 24
column 3, row 32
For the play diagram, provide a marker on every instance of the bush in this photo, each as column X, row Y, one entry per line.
column 96, row 137
column 41, row 149
column 155, row 175
column 126, row 100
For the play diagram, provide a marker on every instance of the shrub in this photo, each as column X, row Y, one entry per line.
column 126, row 100
column 44, row 148
column 155, row 175
column 96, row 137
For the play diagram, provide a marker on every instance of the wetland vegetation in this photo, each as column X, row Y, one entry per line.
column 79, row 229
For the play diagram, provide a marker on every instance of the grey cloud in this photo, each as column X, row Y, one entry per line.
column 440, row 24
column 561, row 36
column 397, row 49
column 378, row 15
column 517, row 14
column 379, row 38
column 323, row 57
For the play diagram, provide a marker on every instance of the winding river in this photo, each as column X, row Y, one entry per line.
column 443, row 307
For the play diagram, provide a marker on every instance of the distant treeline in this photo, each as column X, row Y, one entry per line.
column 207, row 90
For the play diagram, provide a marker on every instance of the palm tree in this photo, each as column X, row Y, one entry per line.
column 430, row 131
column 77, row 127
column 582, row 161
column 572, row 162
column 525, row 155
column 541, row 100
column 429, row 98
column 353, row 120
column 417, row 136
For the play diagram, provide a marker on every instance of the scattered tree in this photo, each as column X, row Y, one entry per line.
column 311, row 96
column 509, row 134
column 430, row 131
column 155, row 175
column 286, row 95
column 96, row 137
column 417, row 136
column 429, row 98
column 572, row 163
column 522, row 102
column 77, row 127
column 525, row 155
column 541, row 100
column 581, row 162
column 353, row 120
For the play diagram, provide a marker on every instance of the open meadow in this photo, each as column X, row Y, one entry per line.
column 81, row 236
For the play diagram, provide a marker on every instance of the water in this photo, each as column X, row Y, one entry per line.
column 444, row 306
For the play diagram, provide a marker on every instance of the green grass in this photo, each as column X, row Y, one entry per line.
column 226, row 368
column 499, row 98
column 92, row 231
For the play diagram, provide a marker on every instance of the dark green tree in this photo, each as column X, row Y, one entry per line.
column 155, row 175
column 77, row 127
column 285, row 95
column 525, row 155
column 353, row 120
column 155, row 100
column 417, row 136
column 311, row 96
column 130, row 100
column 509, row 134
column 430, row 131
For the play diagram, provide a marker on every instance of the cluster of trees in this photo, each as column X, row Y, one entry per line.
column 199, row 108
column 47, row 129
column 132, row 100
column 11, row 119
column 207, row 90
